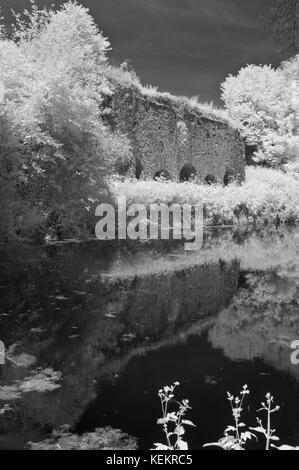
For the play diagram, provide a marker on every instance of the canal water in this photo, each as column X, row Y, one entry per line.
column 93, row 330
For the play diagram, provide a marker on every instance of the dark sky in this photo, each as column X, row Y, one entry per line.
column 186, row 47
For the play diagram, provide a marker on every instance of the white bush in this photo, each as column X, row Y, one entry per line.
column 266, row 195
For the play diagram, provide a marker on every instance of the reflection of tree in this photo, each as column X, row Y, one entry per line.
column 85, row 312
column 88, row 326
column 262, row 322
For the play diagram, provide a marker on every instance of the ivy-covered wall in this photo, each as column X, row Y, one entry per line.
column 168, row 134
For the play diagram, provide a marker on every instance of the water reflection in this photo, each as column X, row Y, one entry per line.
column 74, row 316
column 262, row 321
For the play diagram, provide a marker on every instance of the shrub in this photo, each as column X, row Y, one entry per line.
column 266, row 196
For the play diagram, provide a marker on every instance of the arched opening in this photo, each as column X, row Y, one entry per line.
column 138, row 168
column 229, row 177
column 210, row 179
column 250, row 151
column 188, row 173
column 162, row 175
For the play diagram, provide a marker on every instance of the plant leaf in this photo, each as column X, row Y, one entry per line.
column 285, row 447
column 259, row 429
column 163, row 420
column 182, row 445
column 179, row 430
column 188, row 423
column 161, row 447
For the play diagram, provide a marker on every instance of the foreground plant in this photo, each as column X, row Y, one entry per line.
column 269, row 433
column 235, row 436
column 174, row 437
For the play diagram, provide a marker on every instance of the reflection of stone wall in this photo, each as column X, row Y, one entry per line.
column 91, row 332
column 168, row 300
column 166, row 136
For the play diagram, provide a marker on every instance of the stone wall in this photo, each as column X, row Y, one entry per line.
column 166, row 134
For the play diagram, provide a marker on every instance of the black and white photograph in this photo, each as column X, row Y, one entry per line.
column 149, row 215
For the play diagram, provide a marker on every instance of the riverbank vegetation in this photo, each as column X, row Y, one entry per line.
column 267, row 196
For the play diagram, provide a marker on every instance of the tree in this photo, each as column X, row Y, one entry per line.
column 52, row 75
column 283, row 25
column 265, row 103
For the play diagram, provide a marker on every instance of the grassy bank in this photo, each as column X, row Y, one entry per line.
column 266, row 196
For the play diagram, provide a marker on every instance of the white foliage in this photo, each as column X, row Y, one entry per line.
column 265, row 103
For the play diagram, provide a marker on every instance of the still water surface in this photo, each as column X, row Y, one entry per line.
column 94, row 329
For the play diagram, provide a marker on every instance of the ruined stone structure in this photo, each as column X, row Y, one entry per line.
column 170, row 138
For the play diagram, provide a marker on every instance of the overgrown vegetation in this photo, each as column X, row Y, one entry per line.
column 125, row 77
column 267, row 196
column 54, row 148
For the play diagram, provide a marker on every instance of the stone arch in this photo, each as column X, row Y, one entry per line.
column 210, row 179
column 138, row 168
column 250, row 151
column 162, row 175
column 188, row 172
column 229, row 177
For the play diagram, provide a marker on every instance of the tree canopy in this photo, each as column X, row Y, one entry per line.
column 55, row 148
column 264, row 102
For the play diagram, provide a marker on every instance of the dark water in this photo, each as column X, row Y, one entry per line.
column 93, row 330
